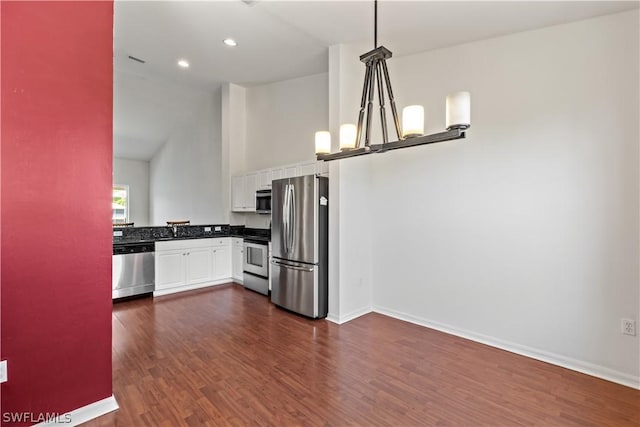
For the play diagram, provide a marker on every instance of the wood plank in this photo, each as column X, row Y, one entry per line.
column 227, row 356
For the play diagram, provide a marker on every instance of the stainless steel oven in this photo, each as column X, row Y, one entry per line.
column 256, row 265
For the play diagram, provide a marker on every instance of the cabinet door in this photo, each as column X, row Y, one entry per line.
column 290, row 171
column 237, row 193
column 221, row 262
column 199, row 265
column 307, row 169
column 236, row 262
column 269, row 261
column 277, row 173
column 250, row 186
column 170, row 269
column 265, row 180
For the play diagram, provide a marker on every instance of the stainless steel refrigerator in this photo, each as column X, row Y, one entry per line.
column 300, row 249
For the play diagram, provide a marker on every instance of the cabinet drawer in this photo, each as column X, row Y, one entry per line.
column 184, row 244
column 222, row 241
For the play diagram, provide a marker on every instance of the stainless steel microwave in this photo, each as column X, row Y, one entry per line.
column 263, row 201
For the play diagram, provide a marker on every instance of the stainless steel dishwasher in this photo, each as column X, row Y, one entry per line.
column 133, row 268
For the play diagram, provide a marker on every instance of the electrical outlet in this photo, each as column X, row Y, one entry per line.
column 207, row 229
column 117, row 233
column 3, row 372
column 629, row 327
column 218, row 228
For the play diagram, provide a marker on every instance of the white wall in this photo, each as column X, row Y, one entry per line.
column 135, row 174
column 282, row 118
column 185, row 174
column 524, row 235
column 272, row 125
column 234, row 136
column 350, row 221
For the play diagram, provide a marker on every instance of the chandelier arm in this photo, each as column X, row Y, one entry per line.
column 383, row 114
column 370, row 90
column 363, row 104
column 394, row 111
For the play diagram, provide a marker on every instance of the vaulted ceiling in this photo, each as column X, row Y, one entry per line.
column 278, row 40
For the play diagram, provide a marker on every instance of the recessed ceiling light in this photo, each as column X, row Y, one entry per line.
column 230, row 42
column 182, row 63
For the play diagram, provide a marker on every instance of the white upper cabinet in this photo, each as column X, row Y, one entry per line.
column 265, row 179
column 237, row 194
column 243, row 192
column 250, row 188
column 307, row 168
column 277, row 173
column 291, row 171
column 244, row 187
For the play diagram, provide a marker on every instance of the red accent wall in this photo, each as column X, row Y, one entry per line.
column 56, row 177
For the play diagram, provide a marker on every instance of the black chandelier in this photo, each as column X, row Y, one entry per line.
column 410, row 133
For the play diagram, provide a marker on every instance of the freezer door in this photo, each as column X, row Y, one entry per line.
column 295, row 287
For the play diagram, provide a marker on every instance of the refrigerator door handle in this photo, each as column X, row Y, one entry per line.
column 293, row 267
column 285, row 218
column 292, row 225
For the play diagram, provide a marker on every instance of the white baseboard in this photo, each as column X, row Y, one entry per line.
column 333, row 318
column 169, row 291
column 84, row 414
column 349, row 316
column 544, row 356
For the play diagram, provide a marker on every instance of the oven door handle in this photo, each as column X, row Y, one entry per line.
column 293, row 267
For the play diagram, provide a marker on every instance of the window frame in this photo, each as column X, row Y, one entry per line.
column 121, row 187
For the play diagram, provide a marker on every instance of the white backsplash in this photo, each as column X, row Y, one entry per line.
column 251, row 220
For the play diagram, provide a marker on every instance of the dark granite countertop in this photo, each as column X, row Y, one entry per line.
column 136, row 235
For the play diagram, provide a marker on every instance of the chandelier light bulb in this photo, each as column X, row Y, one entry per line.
column 412, row 121
column 323, row 142
column 348, row 133
column 459, row 110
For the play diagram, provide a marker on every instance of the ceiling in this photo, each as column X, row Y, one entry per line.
column 279, row 40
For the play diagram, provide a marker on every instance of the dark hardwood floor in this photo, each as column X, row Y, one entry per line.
column 227, row 356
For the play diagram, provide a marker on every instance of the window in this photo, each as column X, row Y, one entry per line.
column 120, row 205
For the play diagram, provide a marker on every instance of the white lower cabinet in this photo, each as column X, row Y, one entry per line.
column 269, row 261
column 199, row 265
column 182, row 265
column 237, row 259
column 222, row 262
column 170, row 268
